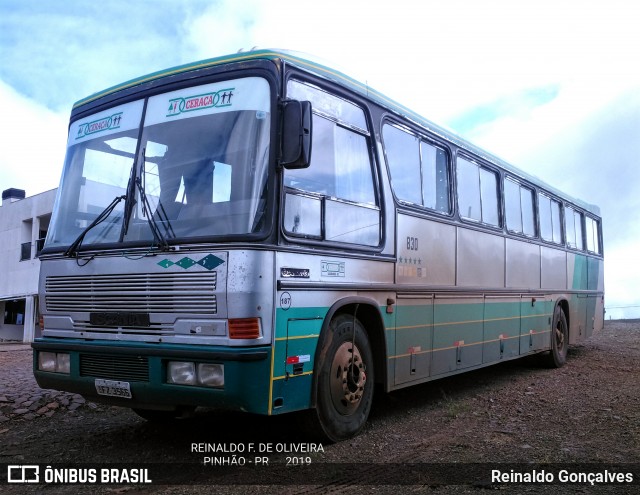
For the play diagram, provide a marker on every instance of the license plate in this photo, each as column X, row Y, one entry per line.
column 113, row 388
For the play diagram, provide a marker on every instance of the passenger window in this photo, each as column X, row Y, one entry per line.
column 419, row 170
column 550, row 229
column 518, row 202
column 477, row 193
column 435, row 178
column 592, row 234
column 403, row 155
column 573, row 227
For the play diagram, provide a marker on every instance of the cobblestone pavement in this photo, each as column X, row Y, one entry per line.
column 20, row 396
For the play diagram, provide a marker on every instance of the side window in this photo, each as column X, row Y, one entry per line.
column 573, row 228
column 334, row 198
column 419, row 170
column 477, row 193
column 435, row 178
column 403, row 155
column 518, row 201
column 592, row 235
column 550, row 229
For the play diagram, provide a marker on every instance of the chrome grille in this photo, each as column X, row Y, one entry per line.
column 151, row 293
column 125, row 368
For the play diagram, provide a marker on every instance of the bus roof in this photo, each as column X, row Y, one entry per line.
column 323, row 70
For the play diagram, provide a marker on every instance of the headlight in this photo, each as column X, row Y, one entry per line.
column 54, row 362
column 211, row 375
column 63, row 362
column 187, row 373
column 47, row 361
column 181, row 373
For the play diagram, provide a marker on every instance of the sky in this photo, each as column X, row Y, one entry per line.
column 552, row 86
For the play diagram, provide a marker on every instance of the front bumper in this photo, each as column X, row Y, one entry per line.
column 143, row 366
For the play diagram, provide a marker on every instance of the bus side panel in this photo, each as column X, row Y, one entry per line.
column 553, row 268
column 535, row 325
column 501, row 328
column 595, row 310
column 474, row 267
column 522, row 262
column 426, row 252
column 576, row 281
column 297, row 332
column 457, row 333
column 414, row 333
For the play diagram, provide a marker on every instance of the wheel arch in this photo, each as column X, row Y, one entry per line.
column 367, row 311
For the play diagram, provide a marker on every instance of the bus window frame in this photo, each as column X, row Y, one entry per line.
column 598, row 223
column 432, row 141
column 563, row 237
column 369, row 135
column 534, row 204
column 583, row 214
column 481, row 164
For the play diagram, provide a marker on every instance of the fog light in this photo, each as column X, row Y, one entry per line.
column 211, row 375
column 47, row 361
column 181, row 373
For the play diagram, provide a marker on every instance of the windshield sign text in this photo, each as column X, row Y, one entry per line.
column 105, row 124
column 217, row 99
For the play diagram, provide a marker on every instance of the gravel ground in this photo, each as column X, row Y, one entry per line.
column 516, row 415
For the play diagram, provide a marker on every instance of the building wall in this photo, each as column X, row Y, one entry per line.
column 21, row 222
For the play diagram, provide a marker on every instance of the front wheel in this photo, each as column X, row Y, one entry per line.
column 345, row 380
column 559, row 340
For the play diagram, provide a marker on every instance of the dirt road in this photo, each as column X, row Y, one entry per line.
column 582, row 417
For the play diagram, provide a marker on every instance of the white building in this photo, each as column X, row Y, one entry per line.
column 23, row 227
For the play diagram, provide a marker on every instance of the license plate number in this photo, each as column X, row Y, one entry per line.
column 113, row 389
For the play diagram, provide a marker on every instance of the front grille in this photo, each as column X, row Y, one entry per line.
column 142, row 293
column 122, row 368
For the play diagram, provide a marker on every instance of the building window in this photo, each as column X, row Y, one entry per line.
column 14, row 312
column 25, row 251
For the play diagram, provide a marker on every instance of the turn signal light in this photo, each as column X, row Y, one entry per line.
column 244, row 328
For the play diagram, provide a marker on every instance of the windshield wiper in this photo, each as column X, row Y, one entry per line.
column 130, row 201
column 104, row 214
column 160, row 211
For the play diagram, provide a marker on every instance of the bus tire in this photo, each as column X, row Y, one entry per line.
column 345, row 380
column 557, row 357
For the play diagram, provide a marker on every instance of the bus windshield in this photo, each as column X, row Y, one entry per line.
column 189, row 163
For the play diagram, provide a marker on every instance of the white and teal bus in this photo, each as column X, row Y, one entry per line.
column 262, row 233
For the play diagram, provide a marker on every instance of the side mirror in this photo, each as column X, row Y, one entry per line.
column 296, row 134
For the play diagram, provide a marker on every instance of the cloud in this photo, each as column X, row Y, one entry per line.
column 33, row 143
column 59, row 53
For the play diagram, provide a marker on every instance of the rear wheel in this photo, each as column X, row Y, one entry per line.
column 559, row 340
column 345, row 380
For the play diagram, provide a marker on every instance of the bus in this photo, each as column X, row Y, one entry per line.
column 262, row 233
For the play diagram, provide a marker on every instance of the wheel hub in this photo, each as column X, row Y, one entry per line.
column 348, row 378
